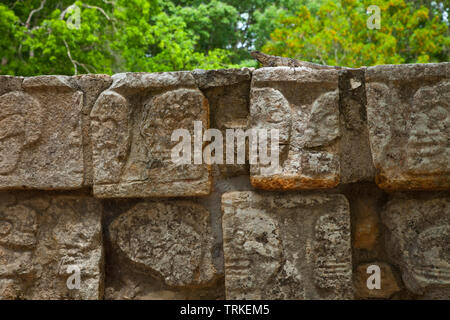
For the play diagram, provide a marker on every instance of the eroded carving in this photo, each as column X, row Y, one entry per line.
column 20, row 125
column 428, row 146
column 417, row 240
column 18, row 239
column 133, row 123
column 40, row 237
column 332, row 259
column 409, row 125
column 286, row 246
column 40, row 135
column 171, row 241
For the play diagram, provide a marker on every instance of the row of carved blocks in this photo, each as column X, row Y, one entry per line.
column 275, row 246
column 388, row 124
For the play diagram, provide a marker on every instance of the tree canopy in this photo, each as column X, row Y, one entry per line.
column 109, row 36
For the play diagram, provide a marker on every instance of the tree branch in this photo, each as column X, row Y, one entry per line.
column 75, row 62
column 97, row 8
column 70, row 57
column 27, row 23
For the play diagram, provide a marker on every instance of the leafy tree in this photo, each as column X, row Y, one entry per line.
column 215, row 23
column 163, row 35
column 338, row 34
column 11, row 33
column 235, row 25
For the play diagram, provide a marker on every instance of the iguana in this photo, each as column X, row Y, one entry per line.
column 274, row 61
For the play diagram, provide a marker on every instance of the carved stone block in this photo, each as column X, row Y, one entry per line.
column 132, row 124
column 408, row 109
column 303, row 104
column 41, row 136
column 169, row 244
column 417, row 240
column 286, row 246
column 45, row 240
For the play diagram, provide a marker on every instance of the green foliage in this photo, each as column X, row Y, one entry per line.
column 338, row 35
column 215, row 24
column 11, row 33
column 113, row 36
column 165, row 35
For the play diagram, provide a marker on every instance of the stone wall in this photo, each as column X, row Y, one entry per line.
column 86, row 180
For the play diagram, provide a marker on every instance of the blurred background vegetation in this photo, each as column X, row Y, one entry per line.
column 164, row 35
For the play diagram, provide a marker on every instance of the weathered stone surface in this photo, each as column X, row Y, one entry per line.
column 228, row 94
column 417, row 240
column 40, row 135
column 303, row 105
column 40, row 237
column 286, row 246
column 10, row 83
column 355, row 157
column 131, row 126
column 207, row 79
column 389, row 284
column 408, row 109
column 171, row 241
column 132, row 82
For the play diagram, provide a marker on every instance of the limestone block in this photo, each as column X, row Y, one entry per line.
column 388, row 282
column 162, row 249
column 286, row 246
column 417, row 240
column 40, row 134
column 132, row 124
column 41, row 238
column 408, row 110
column 10, row 83
column 303, row 104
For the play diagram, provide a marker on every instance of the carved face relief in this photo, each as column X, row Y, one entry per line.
column 172, row 241
column 286, row 246
column 432, row 258
column 165, row 113
column 417, row 240
column 18, row 225
column 428, row 147
column 20, row 121
column 305, row 110
column 323, row 124
column 256, row 251
column 331, row 242
column 408, row 117
column 132, row 126
column 162, row 114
